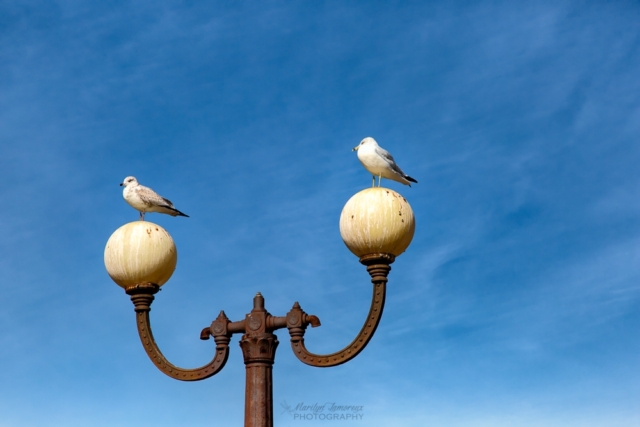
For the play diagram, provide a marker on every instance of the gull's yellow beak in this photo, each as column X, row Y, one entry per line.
column 355, row 148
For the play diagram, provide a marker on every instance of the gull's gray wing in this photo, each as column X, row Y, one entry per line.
column 385, row 155
column 390, row 160
column 151, row 198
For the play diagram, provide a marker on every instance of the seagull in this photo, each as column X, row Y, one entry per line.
column 379, row 162
column 145, row 200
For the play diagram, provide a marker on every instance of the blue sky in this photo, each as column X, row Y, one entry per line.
column 517, row 303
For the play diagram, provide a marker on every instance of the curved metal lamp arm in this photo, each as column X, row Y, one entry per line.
column 142, row 297
column 378, row 266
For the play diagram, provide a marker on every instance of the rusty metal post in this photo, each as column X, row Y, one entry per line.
column 258, row 346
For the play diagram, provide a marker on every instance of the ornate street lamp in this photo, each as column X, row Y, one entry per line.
column 376, row 224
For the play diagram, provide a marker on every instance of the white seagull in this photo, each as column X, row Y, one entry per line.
column 379, row 162
column 145, row 200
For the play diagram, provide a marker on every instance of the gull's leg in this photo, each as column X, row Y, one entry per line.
column 373, row 181
column 379, row 179
column 141, row 216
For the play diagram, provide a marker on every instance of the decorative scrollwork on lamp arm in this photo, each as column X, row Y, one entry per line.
column 142, row 297
column 378, row 266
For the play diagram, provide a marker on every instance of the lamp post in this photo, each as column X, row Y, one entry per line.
column 376, row 224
